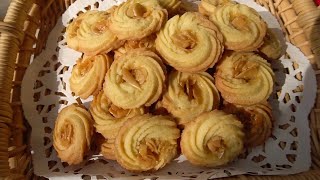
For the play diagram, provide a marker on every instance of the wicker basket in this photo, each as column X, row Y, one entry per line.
column 300, row 19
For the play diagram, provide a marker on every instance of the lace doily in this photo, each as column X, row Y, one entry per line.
column 45, row 91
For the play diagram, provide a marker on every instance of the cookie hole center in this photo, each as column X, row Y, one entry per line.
column 240, row 22
column 185, row 39
column 100, row 26
column 118, row 112
column 84, row 65
column 216, row 145
column 190, row 89
column 135, row 77
column 136, row 10
column 245, row 70
column 66, row 134
column 148, row 149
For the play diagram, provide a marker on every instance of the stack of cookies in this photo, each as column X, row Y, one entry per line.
column 166, row 78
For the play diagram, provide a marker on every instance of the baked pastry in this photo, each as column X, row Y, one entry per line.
column 190, row 43
column 145, row 43
column 72, row 134
column 212, row 139
column 135, row 79
column 88, row 75
column 190, row 94
column 207, row 7
column 108, row 118
column 108, row 149
column 136, row 19
column 89, row 33
column 244, row 78
column 242, row 27
column 147, row 143
column 257, row 121
column 271, row 47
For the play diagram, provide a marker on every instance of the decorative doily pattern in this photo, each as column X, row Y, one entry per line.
column 45, row 91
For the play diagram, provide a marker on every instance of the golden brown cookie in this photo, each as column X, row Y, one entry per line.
column 136, row 19
column 244, row 78
column 135, row 79
column 242, row 27
column 108, row 118
column 88, row 75
column 72, row 134
column 190, row 94
column 147, row 143
column 89, row 33
column 257, row 121
column 212, row 139
column 190, row 43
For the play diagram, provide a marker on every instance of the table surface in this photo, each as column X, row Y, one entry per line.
column 3, row 8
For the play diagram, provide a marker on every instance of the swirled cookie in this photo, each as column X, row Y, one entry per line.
column 88, row 75
column 72, row 134
column 257, row 121
column 135, row 79
column 147, row 143
column 136, row 19
column 213, row 139
column 89, row 33
column 244, row 78
column 108, row 118
column 207, row 7
column 271, row 47
column 188, row 95
column 190, row 43
column 242, row 27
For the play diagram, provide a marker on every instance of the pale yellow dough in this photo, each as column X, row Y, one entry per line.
column 108, row 118
column 135, row 79
column 242, row 27
column 244, row 78
column 72, row 134
column 147, row 143
column 212, row 139
column 89, row 33
column 88, row 75
column 257, row 120
column 190, row 43
column 136, row 19
column 189, row 95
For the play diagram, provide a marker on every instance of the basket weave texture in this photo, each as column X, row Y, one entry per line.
column 300, row 20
